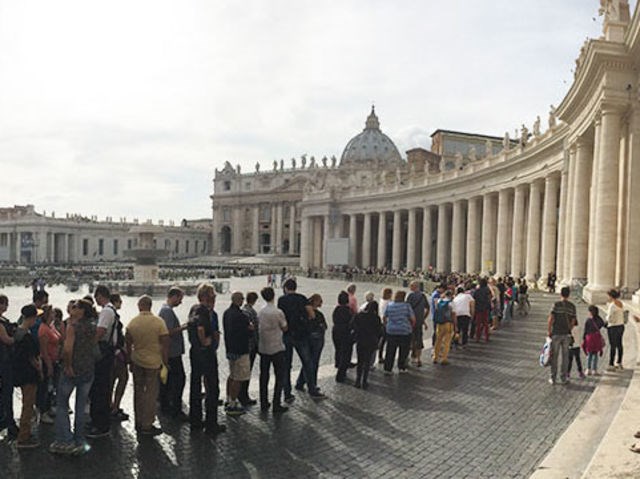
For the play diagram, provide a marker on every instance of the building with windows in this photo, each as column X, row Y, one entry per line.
column 27, row 236
column 559, row 200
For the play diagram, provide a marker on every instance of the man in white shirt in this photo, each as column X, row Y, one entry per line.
column 464, row 307
column 107, row 337
column 271, row 325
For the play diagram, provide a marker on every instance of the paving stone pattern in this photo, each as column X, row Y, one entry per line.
column 490, row 413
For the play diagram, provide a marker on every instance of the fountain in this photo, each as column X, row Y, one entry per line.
column 146, row 279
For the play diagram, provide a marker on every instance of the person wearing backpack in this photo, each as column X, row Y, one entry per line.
column 592, row 341
column 27, row 372
column 7, row 330
column 445, row 319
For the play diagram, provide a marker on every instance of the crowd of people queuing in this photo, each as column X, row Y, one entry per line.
column 49, row 356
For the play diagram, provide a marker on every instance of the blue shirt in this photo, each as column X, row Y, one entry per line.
column 399, row 318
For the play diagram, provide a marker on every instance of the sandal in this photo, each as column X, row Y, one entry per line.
column 635, row 448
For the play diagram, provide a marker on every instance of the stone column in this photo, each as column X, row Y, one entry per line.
column 533, row 232
column 473, row 235
column 353, row 240
column 632, row 278
column 597, row 125
column 382, row 240
column 549, row 225
column 305, row 247
column 326, row 234
column 411, row 239
column 564, row 226
column 517, row 241
column 255, row 238
column 427, row 234
column 366, row 241
column 488, row 255
column 443, row 246
column 215, row 231
column 279, row 228
column 457, row 237
column 397, row 241
column 562, row 220
column 272, row 229
column 578, row 216
column 64, row 256
column 606, row 207
column 292, row 228
column 236, row 235
column 503, row 236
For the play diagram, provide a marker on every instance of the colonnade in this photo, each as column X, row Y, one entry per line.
column 509, row 231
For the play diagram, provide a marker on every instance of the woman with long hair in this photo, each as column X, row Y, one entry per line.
column 78, row 365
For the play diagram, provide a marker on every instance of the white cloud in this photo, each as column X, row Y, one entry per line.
column 126, row 108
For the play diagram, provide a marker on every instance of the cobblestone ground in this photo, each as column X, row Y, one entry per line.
column 490, row 413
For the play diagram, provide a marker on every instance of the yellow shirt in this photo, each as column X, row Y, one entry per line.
column 144, row 332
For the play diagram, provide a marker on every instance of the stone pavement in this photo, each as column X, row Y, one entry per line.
column 490, row 413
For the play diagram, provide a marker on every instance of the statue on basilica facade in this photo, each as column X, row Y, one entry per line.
column 524, row 135
column 313, row 162
column 275, row 165
column 324, row 161
column 552, row 117
column 610, row 9
column 238, row 169
column 333, row 161
column 506, row 142
column 257, row 167
column 303, row 161
column 536, row 127
column 281, row 165
column 293, row 163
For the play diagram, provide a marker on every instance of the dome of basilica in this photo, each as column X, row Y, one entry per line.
column 371, row 147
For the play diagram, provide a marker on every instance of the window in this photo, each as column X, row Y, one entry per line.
column 226, row 215
column 177, row 250
column 115, row 247
column 129, row 244
column 265, row 213
column 85, row 247
column 227, row 186
column 3, row 240
column 204, row 246
column 186, row 246
column 100, row 247
column 196, row 247
column 247, row 186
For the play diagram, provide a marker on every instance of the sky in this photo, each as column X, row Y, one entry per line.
column 126, row 108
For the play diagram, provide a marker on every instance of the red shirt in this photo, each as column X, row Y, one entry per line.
column 53, row 339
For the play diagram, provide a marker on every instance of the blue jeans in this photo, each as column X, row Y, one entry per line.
column 592, row 361
column 82, row 385
column 303, row 348
column 288, row 353
column 316, row 343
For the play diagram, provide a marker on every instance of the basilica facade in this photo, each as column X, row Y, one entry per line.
column 560, row 198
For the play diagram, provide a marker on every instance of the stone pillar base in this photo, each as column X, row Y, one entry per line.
column 595, row 295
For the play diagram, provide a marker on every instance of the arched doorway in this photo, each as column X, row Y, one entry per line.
column 225, row 240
